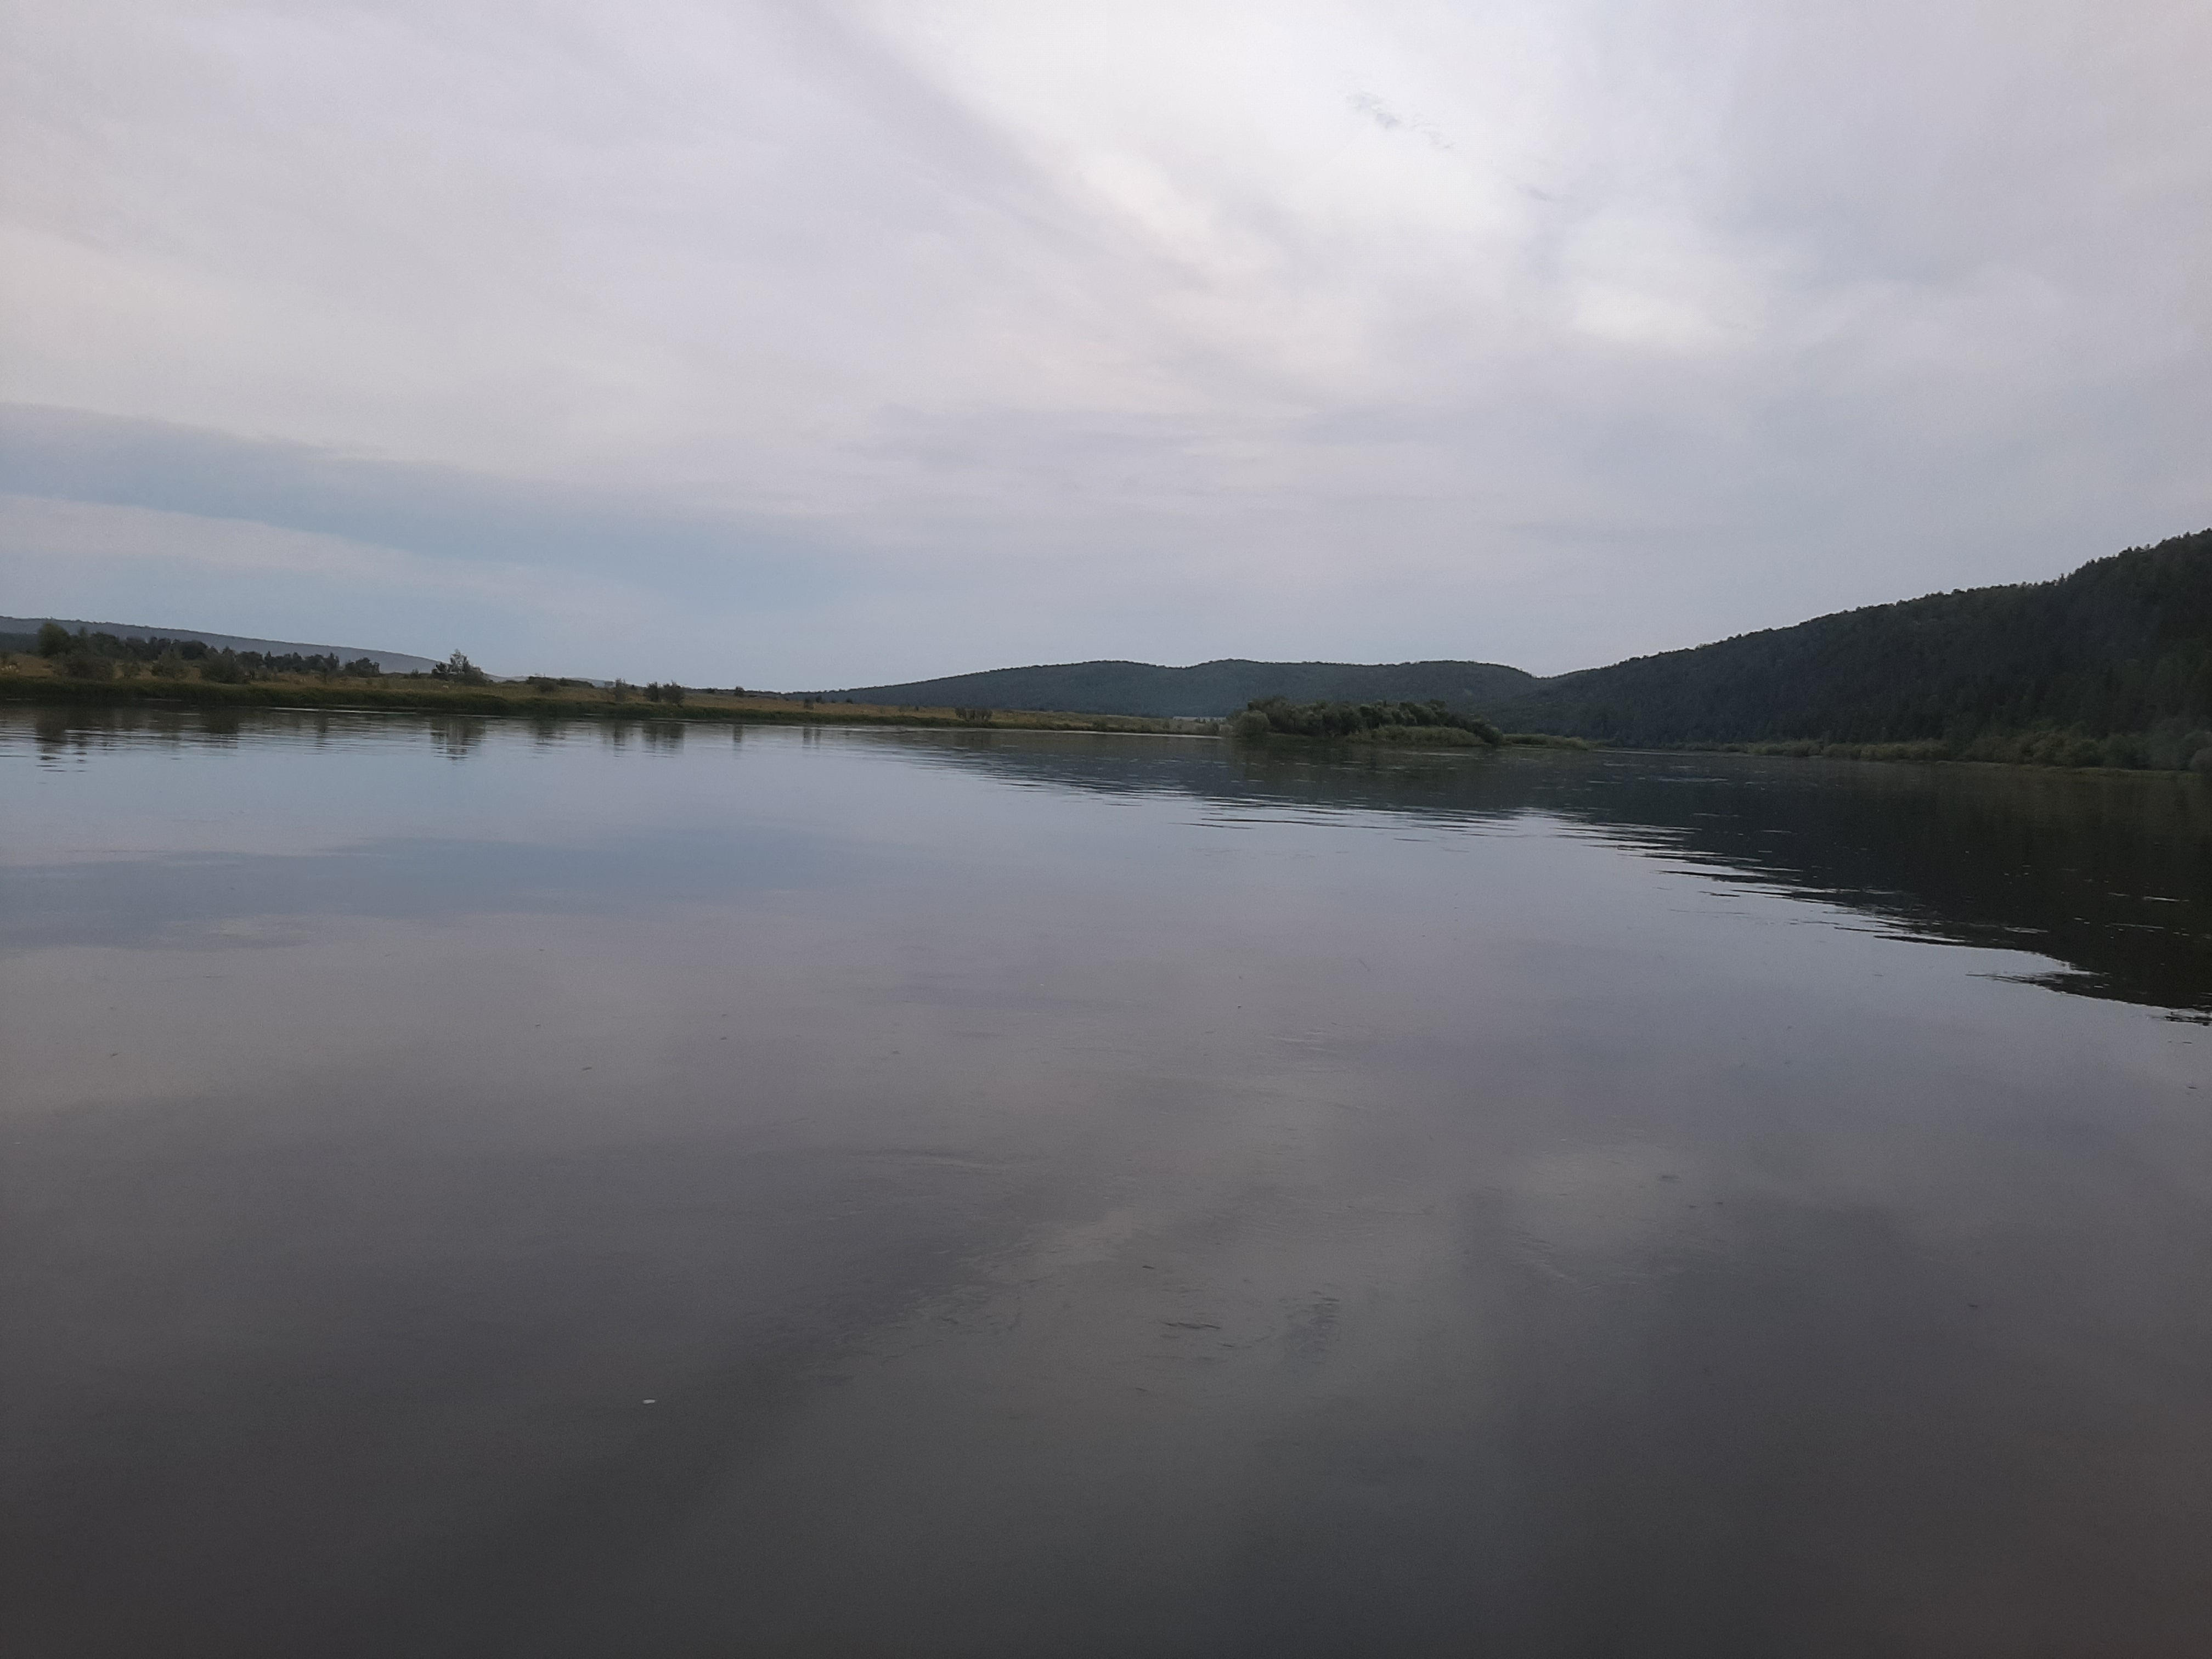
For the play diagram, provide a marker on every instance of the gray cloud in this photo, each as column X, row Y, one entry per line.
column 810, row 343
column 443, row 513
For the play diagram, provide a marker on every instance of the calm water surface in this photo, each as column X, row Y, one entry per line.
column 481, row 1189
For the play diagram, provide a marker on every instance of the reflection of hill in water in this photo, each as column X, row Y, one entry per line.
column 2109, row 874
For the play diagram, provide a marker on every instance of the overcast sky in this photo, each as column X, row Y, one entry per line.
column 811, row 344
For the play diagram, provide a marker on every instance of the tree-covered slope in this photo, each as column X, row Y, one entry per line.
column 1208, row 689
column 2122, row 646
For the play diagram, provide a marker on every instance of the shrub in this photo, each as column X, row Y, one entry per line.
column 2122, row 750
column 1424, row 737
column 83, row 665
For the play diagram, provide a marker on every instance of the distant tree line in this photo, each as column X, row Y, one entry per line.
column 87, row 655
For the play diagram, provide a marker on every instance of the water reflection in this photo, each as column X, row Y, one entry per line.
column 565, row 1191
column 2109, row 875
column 456, row 736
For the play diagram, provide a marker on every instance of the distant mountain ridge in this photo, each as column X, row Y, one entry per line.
column 2120, row 649
column 2109, row 666
column 18, row 633
column 1203, row 690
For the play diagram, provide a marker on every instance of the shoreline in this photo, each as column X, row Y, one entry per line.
column 485, row 701
column 480, row 702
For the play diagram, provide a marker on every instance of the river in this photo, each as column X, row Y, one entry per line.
column 480, row 1188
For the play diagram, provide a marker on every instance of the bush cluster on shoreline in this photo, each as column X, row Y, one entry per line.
column 1433, row 725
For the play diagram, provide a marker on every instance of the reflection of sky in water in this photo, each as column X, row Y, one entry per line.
column 1093, row 1196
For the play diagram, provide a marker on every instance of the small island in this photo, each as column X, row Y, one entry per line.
column 1410, row 725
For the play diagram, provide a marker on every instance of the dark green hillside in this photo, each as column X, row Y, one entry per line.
column 2112, row 664
column 1208, row 689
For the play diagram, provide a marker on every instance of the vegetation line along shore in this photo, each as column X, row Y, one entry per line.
column 101, row 668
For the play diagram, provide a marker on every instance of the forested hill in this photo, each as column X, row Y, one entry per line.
column 1208, row 689
column 2121, row 648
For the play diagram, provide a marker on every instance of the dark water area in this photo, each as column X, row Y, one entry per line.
column 473, row 1188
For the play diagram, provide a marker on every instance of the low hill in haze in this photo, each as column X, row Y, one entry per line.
column 21, row 634
column 1208, row 689
column 2117, row 656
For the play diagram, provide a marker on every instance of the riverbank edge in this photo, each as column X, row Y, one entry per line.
column 1903, row 754
column 358, row 699
column 1295, row 742
column 374, row 700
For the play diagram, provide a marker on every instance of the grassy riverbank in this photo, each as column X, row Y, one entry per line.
column 25, row 678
